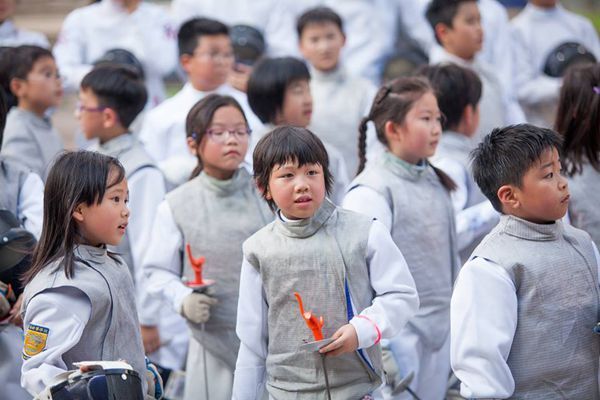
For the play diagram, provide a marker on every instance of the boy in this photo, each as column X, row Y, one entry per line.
column 458, row 92
column 110, row 99
column 340, row 99
column 10, row 35
column 279, row 94
column 206, row 56
column 29, row 137
column 525, row 304
column 144, row 29
column 457, row 27
column 541, row 27
column 344, row 265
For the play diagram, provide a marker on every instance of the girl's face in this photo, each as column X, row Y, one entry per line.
column 224, row 145
column 418, row 135
column 297, row 105
column 105, row 223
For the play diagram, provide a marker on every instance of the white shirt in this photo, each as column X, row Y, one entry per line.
column 395, row 301
column 535, row 33
column 479, row 352
column 65, row 312
column 30, row 207
column 89, row 32
column 10, row 35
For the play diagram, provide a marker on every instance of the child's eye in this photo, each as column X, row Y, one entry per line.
column 116, row 199
column 550, row 175
column 313, row 172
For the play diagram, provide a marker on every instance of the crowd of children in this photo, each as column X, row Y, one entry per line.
column 282, row 229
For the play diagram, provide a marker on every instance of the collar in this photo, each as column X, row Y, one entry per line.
column 338, row 74
column 95, row 255
column 7, row 29
column 540, row 12
column 116, row 146
column 303, row 228
column 404, row 169
column 456, row 140
column 225, row 187
column 41, row 122
column 528, row 230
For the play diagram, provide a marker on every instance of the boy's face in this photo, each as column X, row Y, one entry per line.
column 91, row 116
column 321, row 44
column 207, row 68
column 42, row 88
column 7, row 9
column 297, row 105
column 297, row 191
column 465, row 38
column 544, row 193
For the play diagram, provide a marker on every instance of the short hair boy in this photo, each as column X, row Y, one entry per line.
column 279, row 93
column 206, row 56
column 457, row 27
column 525, row 305
column 293, row 254
column 340, row 99
column 29, row 137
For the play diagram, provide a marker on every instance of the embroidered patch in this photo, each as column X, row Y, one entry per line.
column 35, row 340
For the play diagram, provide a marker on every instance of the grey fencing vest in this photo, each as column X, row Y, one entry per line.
column 554, row 353
column 113, row 330
column 423, row 229
column 315, row 257
column 130, row 152
column 12, row 178
column 215, row 217
column 584, row 205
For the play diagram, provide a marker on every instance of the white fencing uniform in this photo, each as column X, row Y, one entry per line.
column 12, row 36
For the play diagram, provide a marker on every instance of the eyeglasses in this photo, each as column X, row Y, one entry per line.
column 80, row 108
column 215, row 56
column 222, row 135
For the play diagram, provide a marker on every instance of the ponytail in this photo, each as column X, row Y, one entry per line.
column 362, row 144
column 447, row 182
column 198, row 169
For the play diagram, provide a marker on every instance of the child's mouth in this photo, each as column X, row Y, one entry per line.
column 303, row 199
column 122, row 227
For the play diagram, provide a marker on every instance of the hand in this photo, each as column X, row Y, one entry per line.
column 238, row 77
column 345, row 340
column 150, row 338
column 196, row 307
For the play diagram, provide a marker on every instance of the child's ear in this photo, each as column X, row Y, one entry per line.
column 509, row 197
column 192, row 146
column 17, row 86
column 441, row 32
column 185, row 60
column 78, row 213
column 110, row 118
column 392, row 131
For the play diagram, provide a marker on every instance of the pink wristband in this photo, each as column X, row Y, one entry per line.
column 374, row 324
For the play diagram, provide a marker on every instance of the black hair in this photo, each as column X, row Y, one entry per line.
column 443, row 12
column 75, row 178
column 192, row 31
column 25, row 58
column 269, row 80
column 288, row 144
column 506, row 154
column 391, row 103
column 119, row 88
column 7, row 60
column 200, row 117
column 318, row 15
column 578, row 117
column 455, row 88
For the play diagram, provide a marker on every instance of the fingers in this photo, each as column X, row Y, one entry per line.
column 204, row 299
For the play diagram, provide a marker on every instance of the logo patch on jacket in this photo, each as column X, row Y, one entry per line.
column 35, row 340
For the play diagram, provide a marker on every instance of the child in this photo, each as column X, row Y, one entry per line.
column 143, row 28
column 411, row 198
column 578, row 121
column 525, row 304
column 279, row 94
column 74, row 280
column 109, row 100
column 343, row 264
column 537, row 30
column 29, row 137
column 214, row 213
column 10, row 35
column 206, row 56
column 340, row 100
column 458, row 91
column 457, row 26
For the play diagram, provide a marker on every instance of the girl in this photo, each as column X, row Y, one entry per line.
column 578, row 121
column 214, row 212
column 411, row 197
column 73, row 280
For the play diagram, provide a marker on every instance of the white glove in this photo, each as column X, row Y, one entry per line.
column 395, row 381
column 196, row 307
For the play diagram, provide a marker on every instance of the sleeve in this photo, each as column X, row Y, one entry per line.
column 396, row 299
column 597, row 254
column 367, row 201
column 69, row 51
column 483, row 320
column 153, row 135
column 54, row 322
column 30, row 209
column 146, row 191
column 251, row 328
column 17, row 142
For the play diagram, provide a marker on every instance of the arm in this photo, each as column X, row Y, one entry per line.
column 251, row 328
column 367, row 201
column 65, row 313
column 483, row 320
column 31, row 204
